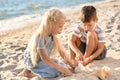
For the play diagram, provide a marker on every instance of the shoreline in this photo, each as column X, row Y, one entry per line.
column 22, row 21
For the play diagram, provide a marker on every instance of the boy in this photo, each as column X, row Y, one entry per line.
column 87, row 42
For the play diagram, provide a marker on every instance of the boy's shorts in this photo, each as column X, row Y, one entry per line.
column 100, row 57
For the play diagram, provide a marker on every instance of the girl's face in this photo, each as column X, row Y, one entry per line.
column 58, row 27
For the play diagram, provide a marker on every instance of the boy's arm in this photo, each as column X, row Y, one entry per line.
column 95, row 54
column 73, row 46
column 98, row 51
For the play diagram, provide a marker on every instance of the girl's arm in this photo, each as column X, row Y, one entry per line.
column 51, row 63
column 62, row 51
column 64, row 55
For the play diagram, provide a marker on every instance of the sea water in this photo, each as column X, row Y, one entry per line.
column 12, row 11
column 14, row 8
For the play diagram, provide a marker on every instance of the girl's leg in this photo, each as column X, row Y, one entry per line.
column 91, row 44
column 26, row 73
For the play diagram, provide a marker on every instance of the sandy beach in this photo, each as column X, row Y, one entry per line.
column 13, row 43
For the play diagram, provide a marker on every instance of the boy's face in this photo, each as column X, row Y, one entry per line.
column 89, row 26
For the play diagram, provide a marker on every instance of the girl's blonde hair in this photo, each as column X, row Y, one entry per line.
column 51, row 18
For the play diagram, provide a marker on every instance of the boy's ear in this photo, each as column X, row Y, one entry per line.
column 96, row 19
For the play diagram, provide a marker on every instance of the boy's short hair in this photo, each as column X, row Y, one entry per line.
column 88, row 13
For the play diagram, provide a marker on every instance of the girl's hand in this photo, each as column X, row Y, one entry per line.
column 66, row 72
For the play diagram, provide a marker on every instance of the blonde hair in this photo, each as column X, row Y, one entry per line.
column 51, row 17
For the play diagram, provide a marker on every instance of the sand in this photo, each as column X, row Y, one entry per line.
column 13, row 43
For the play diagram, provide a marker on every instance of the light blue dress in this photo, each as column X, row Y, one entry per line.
column 42, row 69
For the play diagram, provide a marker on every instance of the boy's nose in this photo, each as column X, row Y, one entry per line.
column 60, row 29
column 85, row 27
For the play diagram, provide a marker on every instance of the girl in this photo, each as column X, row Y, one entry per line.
column 42, row 44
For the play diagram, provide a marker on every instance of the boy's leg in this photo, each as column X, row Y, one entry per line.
column 91, row 44
column 102, row 55
column 73, row 62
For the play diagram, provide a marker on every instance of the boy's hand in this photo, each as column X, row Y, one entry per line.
column 79, row 57
column 86, row 61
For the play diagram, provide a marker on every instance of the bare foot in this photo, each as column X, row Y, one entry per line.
column 30, row 75
column 27, row 73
